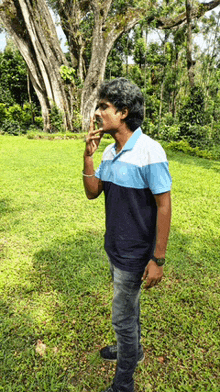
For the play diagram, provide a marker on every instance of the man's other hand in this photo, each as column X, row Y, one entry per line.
column 152, row 274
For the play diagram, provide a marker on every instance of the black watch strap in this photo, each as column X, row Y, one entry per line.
column 159, row 262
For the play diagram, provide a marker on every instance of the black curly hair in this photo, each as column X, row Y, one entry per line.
column 124, row 94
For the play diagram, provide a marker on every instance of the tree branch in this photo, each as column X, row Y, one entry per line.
column 197, row 12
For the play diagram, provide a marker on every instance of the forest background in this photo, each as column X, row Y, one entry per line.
column 179, row 78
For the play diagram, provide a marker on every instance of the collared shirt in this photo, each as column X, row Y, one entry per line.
column 130, row 179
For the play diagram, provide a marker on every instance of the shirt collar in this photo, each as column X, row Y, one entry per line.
column 131, row 141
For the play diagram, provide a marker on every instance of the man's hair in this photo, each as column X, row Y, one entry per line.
column 124, row 94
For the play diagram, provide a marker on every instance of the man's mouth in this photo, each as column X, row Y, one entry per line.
column 99, row 121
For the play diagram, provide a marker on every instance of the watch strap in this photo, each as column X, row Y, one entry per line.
column 159, row 262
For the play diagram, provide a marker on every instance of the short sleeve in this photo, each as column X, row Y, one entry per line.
column 157, row 172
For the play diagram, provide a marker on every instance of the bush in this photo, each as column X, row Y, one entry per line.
column 28, row 114
column 77, row 121
column 169, row 132
column 3, row 112
column 56, row 119
column 38, row 121
column 17, row 119
column 14, row 113
column 185, row 147
column 149, row 128
column 12, row 127
column 199, row 136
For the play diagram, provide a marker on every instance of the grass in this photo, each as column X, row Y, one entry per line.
column 55, row 288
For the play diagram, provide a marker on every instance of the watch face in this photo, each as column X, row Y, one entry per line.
column 160, row 262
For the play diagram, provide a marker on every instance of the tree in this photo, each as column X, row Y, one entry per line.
column 190, row 62
column 13, row 77
column 31, row 26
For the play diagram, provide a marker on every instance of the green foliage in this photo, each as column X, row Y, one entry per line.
column 185, row 147
column 149, row 128
column 56, row 120
column 118, row 7
column 114, row 66
column 67, row 73
column 136, row 75
column 38, row 120
column 169, row 132
column 140, row 52
column 20, row 118
column 11, row 127
column 15, row 113
column 192, row 116
column 13, row 78
column 3, row 112
column 77, row 121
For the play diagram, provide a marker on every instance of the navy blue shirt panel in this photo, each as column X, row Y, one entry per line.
column 129, row 241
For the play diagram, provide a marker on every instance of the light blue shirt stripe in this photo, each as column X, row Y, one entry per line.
column 155, row 176
column 141, row 164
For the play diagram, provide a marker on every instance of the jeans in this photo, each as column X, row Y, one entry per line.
column 126, row 323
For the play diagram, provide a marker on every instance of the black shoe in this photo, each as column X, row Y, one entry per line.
column 109, row 389
column 109, row 353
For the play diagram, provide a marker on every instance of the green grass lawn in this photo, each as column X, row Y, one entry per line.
column 55, row 288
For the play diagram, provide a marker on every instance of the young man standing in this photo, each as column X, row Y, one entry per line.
column 136, row 182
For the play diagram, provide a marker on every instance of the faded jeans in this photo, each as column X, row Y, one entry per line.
column 126, row 323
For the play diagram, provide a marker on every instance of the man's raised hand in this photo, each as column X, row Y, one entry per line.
column 93, row 138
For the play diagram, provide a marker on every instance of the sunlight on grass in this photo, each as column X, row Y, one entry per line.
column 55, row 287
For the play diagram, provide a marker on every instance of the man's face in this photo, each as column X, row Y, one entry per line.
column 110, row 117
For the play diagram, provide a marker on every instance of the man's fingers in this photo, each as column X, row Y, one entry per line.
column 149, row 283
column 145, row 274
column 91, row 125
column 91, row 138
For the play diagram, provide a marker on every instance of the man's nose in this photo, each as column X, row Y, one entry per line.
column 97, row 112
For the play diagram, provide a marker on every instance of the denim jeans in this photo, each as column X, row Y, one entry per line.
column 126, row 323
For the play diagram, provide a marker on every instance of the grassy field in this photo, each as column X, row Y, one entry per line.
column 55, row 288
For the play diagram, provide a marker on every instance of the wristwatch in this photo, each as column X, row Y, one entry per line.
column 159, row 262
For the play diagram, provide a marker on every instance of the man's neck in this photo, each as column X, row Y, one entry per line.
column 121, row 137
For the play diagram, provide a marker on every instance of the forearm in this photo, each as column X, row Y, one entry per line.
column 92, row 184
column 163, row 228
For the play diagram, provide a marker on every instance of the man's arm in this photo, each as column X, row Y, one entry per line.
column 153, row 273
column 93, row 186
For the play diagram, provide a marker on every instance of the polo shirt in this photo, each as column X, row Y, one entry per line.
column 130, row 179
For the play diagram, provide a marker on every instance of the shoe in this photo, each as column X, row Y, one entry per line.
column 109, row 353
column 109, row 389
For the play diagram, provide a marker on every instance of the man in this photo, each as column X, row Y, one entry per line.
column 136, row 182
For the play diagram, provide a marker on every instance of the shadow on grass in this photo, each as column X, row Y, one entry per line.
column 186, row 159
column 73, row 265
column 66, row 306
column 4, row 207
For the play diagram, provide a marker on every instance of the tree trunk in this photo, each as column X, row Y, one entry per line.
column 190, row 62
column 32, row 28
column 105, row 33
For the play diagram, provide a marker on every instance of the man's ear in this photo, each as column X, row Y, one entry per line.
column 124, row 112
